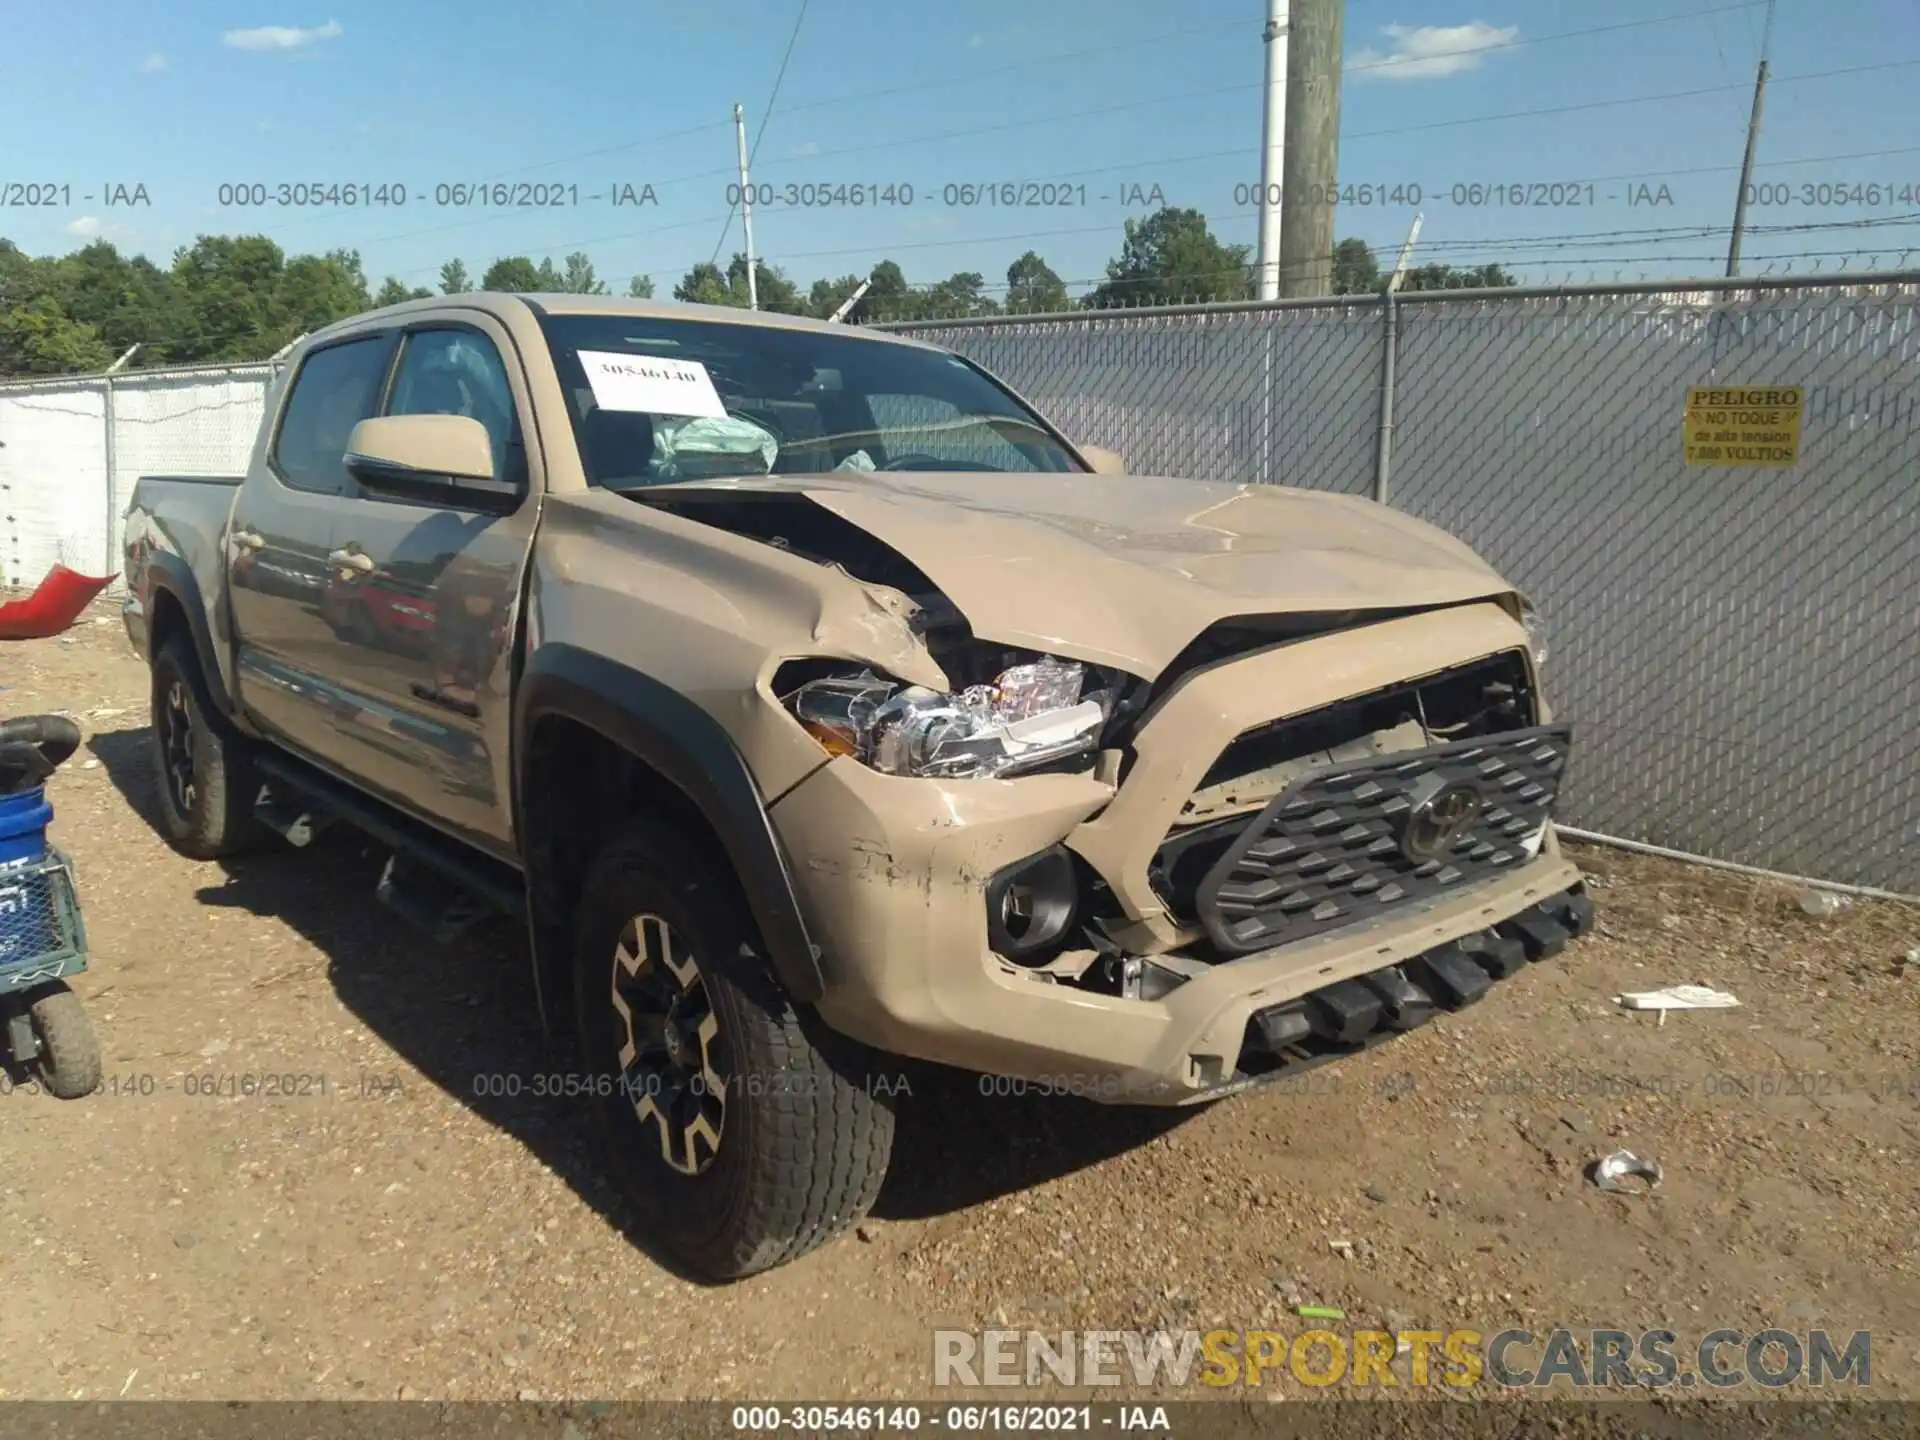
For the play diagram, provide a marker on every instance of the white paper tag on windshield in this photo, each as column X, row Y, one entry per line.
column 651, row 384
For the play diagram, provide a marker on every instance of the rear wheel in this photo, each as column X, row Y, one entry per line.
column 69, row 1060
column 745, row 1132
column 205, row 774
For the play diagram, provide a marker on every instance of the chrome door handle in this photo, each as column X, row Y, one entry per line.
column 352, row 560
column 249, row 539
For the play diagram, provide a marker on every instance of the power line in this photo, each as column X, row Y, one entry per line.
column 1497, row 117
column 1116, row 108
column 1524, row 41
column 760, row 131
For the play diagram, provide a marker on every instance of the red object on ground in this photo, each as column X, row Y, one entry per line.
column 52, row 607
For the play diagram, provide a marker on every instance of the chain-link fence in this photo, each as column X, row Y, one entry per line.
column 1739, row 647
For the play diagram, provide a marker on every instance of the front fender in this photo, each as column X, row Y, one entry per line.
column 685, row 746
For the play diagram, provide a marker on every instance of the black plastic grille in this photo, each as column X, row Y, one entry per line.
column 1333, row 849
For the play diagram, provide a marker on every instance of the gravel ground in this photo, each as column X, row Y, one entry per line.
column 379, row 1227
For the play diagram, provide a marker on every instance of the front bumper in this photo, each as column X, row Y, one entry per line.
column 892, row 874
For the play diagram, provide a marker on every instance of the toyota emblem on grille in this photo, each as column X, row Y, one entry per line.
column 1438, row 820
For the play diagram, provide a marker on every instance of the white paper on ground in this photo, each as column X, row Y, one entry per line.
column 1677, row 997
column 651, row 384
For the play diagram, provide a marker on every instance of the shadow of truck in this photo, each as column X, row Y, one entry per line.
column 464, row 1016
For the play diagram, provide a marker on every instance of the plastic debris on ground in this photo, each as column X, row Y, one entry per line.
column 1677, row 997
column 1611, row 1172
column 1823, row 904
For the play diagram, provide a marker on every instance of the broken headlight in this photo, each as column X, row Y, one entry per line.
column 1028, row 716
column 1536, row 633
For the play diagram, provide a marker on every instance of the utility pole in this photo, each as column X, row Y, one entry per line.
column 1273, row 148
column 1753, row 144
column 1312, row 157
column 746, row 206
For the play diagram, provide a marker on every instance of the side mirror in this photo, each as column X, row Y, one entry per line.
column 1104, row 462
column 431, row 460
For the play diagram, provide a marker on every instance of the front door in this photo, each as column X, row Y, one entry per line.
column 428, row 600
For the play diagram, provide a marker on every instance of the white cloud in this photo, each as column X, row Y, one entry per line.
column 1429, row 52
column 280, row 37
column 804, row 149
column 155, row 63
column 86, row 226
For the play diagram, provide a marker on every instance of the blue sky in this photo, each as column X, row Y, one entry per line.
column 185, row 97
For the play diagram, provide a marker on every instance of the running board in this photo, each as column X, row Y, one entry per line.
column 432, row 880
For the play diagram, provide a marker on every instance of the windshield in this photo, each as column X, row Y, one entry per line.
column 654, row 401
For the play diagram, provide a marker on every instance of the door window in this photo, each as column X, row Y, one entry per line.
column 336, row 389
column 459, row 372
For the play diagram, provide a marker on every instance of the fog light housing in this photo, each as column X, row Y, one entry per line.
column 1031, row 904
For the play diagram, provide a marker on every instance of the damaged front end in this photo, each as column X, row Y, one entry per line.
column 1286, row 836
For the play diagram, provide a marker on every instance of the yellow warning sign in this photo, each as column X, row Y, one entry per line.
column 1744, row 425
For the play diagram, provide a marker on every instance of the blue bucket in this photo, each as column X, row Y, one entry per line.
column 23, row 825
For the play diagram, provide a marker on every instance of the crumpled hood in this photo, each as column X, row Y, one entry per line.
column 1126, row 570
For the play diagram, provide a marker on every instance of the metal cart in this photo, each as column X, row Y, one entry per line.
column 44, row 1032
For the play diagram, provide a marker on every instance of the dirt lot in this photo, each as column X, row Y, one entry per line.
column 407, row 1233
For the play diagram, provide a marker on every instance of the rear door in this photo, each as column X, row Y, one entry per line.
column 427, row 618
column 282, row 583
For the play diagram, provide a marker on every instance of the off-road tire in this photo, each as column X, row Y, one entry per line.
column 216, row 816
column 69, row 1060
column 806, row 1132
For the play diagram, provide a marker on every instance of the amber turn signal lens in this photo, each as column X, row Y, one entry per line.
column 833, row 741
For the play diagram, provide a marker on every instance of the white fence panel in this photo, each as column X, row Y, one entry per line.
column 53, row 480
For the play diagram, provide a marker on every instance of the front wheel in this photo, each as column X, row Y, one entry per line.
column 744, row 1131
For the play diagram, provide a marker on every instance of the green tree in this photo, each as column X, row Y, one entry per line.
column 38, row 339
column 704, row 284
column 707, row 284
column 578, row 278
column 1171, row 258
column 316, row 290
column 515, row 274
column 889, row 297
column 394, row 291
column 1447, row 277
column 1033, row 288
column 453, row 278
column 827, row 296
column 775, row 291
column 640, row 287
column 1355, row 271
column 127, row 301
column 963, row 293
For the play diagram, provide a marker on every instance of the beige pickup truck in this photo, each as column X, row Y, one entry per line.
column 817, row 702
